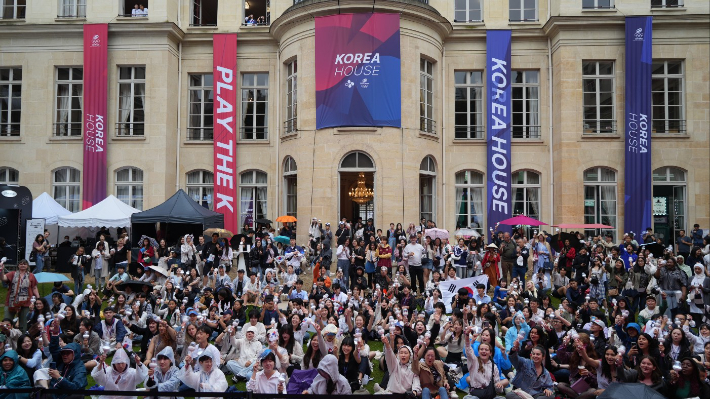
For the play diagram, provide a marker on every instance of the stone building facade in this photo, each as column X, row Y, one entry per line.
column 568, row 168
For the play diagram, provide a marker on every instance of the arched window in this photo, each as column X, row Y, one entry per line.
column 290, row 186
column 427, row 180
column 66, row 187
column 200, row 187
column 129, row 187
column 9, row 176
column 470, row 211
column 351, row 167
column 669, row 203
column 252, row 196
column 600, row 199
column 526, row 193
column 357, row 160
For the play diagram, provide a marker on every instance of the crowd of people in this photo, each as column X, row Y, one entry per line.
column 312, row 318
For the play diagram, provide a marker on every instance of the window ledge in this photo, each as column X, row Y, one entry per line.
column 202, row 28
column 611, row 10
column 128, row 138
column 600, row 136
column 670, row 136
column 199, row 142
column 469, row 141
column 290, row 136
column 264, row 141
column 356, row 130
column 17, row 139
column 528, row 141
column 469, row 23
column 428, row 136
column 63, row 139
column 524, row 22
column 127, row 19
column 12, row 21
column 70, row 19
column 668, row 9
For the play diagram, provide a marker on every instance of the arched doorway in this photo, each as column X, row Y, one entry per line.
column 356, row 166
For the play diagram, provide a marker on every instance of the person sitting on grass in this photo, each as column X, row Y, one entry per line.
column 164, row 377
column 119, row 376
column 13, row 376
column 207, row 378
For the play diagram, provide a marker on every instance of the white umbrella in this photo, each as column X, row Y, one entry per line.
column 160, row 270
column 467, row 233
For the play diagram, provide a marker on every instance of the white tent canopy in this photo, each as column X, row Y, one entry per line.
column 110, row 212
column 45, row 207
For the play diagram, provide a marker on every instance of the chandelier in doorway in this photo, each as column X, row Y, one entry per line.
column 360, row 193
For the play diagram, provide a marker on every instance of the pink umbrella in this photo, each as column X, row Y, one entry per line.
column 522, row 220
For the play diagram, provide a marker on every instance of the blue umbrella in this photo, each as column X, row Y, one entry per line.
column 65, row 299
column 50, row 277
column 283, row 239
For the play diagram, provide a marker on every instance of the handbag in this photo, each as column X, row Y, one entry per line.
column 581, row 385
column 33, row 256
column 489, row 392
column 547, row 265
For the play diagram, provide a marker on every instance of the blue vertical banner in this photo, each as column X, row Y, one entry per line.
column 638, row 187
column 498, row 75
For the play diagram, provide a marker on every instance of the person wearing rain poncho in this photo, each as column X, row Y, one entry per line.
column 249, row 348
column 329, row 381
column 209, row 378
column 187, row 252
column 519, row 327
column 13, row 376
column 119, row 376
column 164, row 377
column 402, row 378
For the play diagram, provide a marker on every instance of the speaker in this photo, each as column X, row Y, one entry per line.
column 10, row 230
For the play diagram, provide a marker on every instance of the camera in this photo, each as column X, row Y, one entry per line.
column 655, row 290
column 595, row 281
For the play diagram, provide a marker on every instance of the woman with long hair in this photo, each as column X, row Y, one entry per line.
column 29, row 355
column 70, row 323
column 645, row 345
column 312, row 356
column 569, row 356
column 147, row 253
column 647, row 372
column 349, row 362
column 288, row 343
column 676, row 347
column 453, row 337
column 483, row 371
column 39, row 248
column 606, row 370
column 687, row 383
column 166, row 336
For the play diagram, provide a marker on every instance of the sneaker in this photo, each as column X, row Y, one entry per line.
column 376, row 388
column 453, row 395
column 235, row 379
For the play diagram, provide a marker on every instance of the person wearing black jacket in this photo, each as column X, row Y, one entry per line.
column 581, row 264
column 256, row 256
column 147, row 332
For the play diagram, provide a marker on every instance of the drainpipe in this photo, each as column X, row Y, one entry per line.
column 179, row 104
column 278, row 132
column 443, row 138
column 549, row 106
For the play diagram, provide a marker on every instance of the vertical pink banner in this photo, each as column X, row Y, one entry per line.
column 225, row 126
column 95, row 121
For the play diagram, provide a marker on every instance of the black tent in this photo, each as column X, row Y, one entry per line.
column 177, row 216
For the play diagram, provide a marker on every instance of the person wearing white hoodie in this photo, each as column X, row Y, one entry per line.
column 249, row 349
column 119, row 376
column 208, row 378
column 402, row 378
column 329, row 381
column 164, row 377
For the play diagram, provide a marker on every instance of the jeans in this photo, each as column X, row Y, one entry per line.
column 672, row 298
column 344, row 265
column 21, row 315
column 39, row 264
column 417, row 273
column 241, row 371
column 79, row 283
column 426, row 394
column 520, row 271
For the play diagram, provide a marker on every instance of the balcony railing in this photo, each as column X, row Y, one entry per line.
column 10, row 129
column 668, row 126
column 128, row 129
column 427, row 125
column 200, row 134
column 253, row 133
column 469, row 132
column 525, row 132
column 290, row 126
column 666, row 3
column 596, row 126
column 67, row 129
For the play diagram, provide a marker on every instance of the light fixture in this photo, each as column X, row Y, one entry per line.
column 361, row 194
column 246, row 5
column 9, row 193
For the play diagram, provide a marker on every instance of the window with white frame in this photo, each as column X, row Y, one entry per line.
column 72, row 8
column 468, row 105
column 600, row 199
column 255, row 106
column 666, row 3
column 252, row 196
column 523, row 10
column 66, row 187
column 426, row 96
column 9, row 176
column 200, row 187
column 470, row 211
column 427, row 188
column 13, row 9
column 131, row 101
column 598, row 97
column 291, row 186
column 133, row 8
column 526, row 104
column 670, row 189
column 70, row 90
column 258, row 12
column 667, row 88
column 468, row 10
column 526, row 194
column 200, row 125
column 291, row 124
column 204, row 13
column 597, row 4
column 129, row 187
column 10, row 101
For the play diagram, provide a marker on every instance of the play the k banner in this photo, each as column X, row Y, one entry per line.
column 95, row 121
column 498, row 125
column 225, row 126
column 358, row 70
column 638, row 173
